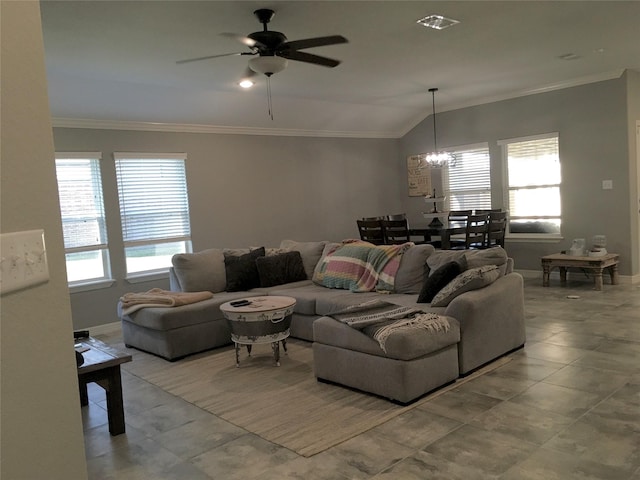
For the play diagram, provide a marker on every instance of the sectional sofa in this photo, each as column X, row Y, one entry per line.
column 480, row 300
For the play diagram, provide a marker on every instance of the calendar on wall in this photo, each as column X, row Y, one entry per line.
column 419, row 178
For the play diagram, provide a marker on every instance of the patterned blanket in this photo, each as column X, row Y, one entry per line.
column 360, row 266
column 380, row 319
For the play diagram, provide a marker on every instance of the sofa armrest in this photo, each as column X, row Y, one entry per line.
column 174, row 283
column 491, row 321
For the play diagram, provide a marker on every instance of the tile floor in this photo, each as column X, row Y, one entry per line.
column 567, row 407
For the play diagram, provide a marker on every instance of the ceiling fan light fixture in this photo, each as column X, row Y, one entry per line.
column 437, row 22
column 268, row 64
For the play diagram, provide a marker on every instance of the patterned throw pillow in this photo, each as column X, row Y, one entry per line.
column 472, row 279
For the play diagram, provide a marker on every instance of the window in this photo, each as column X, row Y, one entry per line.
column 83, row 220
column 469, row 179
column 154, row 209
column 533, row 184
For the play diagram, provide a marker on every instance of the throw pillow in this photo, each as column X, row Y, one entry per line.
column 438, row 279
column 490, row 256
column 472, row 279
column 309, row 251
column 280, row 269
column 241, row 270
column 201, row 271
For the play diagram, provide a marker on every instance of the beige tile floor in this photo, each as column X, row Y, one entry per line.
column 567, row 407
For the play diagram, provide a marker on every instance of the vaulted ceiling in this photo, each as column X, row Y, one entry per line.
column 114, row 62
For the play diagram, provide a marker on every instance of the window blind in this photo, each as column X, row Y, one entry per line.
column 81, row 203
column 469, row 179
column 152, row 191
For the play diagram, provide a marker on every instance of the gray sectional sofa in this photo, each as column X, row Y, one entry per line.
column 485, row 314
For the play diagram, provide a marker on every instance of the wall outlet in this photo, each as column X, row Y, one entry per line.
column 607, row 184
column 23, row 260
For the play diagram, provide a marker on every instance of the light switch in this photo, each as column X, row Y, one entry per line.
column 607, row 184
column 23, row 260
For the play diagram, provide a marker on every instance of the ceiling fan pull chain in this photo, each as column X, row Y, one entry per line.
column 269, row 102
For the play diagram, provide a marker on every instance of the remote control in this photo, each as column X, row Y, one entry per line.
column 240, row 303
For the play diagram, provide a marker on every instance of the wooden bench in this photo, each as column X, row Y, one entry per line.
column 597, row 264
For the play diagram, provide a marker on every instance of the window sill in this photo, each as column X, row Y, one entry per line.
column 537, row 238
column 90, row 285
column 147, row 277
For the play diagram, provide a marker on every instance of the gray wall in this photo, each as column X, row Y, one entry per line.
column 593, row 126
column 257, row 190
column 247, row 191
column 40, row 415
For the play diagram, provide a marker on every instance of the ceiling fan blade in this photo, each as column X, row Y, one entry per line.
column 313, row 42
column 309, row 58
column 213, row 56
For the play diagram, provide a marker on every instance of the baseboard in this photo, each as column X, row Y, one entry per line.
column 105, row 329
column 555, row 275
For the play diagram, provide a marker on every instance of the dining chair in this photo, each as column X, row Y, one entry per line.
column 458, row 241
column 496, row 229
column 396, row 216
column 476, row 233
column 371, row 231
column 395, row 231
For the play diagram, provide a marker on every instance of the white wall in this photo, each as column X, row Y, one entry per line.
column 40, row 407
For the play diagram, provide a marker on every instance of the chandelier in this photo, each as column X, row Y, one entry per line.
column 436, row 158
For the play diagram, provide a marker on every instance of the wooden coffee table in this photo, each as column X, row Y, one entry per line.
column 102, row 366
column 597, row 264
column 263, row 320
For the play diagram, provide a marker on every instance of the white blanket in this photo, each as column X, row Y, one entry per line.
column 156, row 297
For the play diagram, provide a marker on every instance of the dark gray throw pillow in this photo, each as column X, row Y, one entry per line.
column 241, row 270
column 438, row 280
column 279, row 269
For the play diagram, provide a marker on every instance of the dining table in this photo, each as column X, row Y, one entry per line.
column 445, row 231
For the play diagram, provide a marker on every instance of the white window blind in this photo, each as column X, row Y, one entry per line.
column 534, row 178
column 469, row 179
column 154, row 209
column 83, row 217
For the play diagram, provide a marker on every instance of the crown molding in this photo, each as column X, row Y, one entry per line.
column 61, row 122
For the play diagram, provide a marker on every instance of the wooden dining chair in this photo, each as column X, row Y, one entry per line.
column 396, row 216
column 496, row 229
column 476, row 232
column 458, row 241
column 371, row 231
column 395, row 231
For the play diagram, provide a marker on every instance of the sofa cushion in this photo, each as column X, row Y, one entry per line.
column 241, row 270
column 201, row 271
column 439, row 279
column 490, row 256
column 441, row 257
column 404, row 344
column 411, row 270
column 472, row 279
column 309, row 251
column 280, row 269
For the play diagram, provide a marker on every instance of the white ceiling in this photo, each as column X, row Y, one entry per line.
column 114, row 61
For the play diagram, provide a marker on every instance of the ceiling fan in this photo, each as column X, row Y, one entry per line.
column 271, row 49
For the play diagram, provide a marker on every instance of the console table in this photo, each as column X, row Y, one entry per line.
column 597, row 264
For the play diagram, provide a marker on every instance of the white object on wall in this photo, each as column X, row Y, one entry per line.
column 23, row 260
